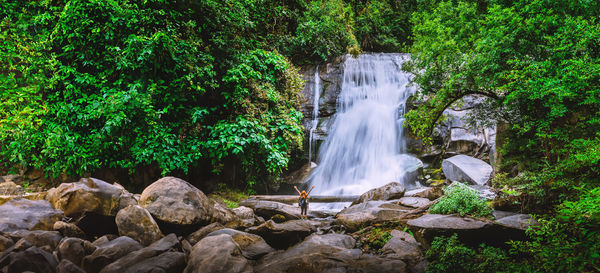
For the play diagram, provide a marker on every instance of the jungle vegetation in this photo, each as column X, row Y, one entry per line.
column 211, row 85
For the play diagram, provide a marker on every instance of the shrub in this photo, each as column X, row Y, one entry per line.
column 373, row 239
column 459, row 198
column 448, row 254
column 567, row 242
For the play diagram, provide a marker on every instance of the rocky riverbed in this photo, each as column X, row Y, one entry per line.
column 95, row 226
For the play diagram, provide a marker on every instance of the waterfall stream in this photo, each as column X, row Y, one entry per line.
column 315, row 121
column 365, row 147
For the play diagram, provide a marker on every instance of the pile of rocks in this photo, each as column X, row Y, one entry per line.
column 94, row 226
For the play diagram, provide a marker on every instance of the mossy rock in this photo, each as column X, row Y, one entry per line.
column 278, row 218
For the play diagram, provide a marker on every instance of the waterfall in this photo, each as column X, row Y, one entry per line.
column 365, row 147
column 315, row 114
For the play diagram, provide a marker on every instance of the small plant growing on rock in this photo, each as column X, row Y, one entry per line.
column 459, row 198
column 373, row 239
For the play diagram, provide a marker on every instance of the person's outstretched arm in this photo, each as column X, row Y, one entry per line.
column 297, row 189
column 309, row 190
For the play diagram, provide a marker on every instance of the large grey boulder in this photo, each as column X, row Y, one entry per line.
column 247, row 216
column 47, row 240
column 5, row 243
column 428, row 226
column 403, row 246
column 467, row 169
column 392, row 190
column 283, row 235
column 31, row 259
column 414, row 202
column 109, row 252
column 68, row 230
column 371, row 212
column 10, row 188
column 137, row 223
column 66, row 266
column 177, row 202
column 216, row 254
column 327, row 253
column 74, row 250
column 199, row 234
column 515, row 221
column 131, row 262
column 251, row 245
column 89, row 195
column 18, row 214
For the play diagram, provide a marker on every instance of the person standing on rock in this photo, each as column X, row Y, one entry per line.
column 303, row 201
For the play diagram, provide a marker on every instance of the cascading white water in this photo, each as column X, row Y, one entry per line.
column 315, row 121
column 365, row 147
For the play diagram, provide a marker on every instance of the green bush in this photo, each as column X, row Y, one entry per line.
column 459, row 198
column 568, row 242
column 373, row 239
column 448, row 254
column 325, row 30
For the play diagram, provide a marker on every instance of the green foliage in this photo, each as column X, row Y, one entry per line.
column 373, row 239
column 459, row 198
column 448, row 254
column 383, row 25
column 90, row 85
column 571, row 237
column 536, row 63
column 325, row 30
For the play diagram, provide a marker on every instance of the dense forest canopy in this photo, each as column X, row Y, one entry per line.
column 181, row 85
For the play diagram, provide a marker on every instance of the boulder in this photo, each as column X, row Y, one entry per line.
column 327, row 253
column 87, row 195
column 283, row 235
column 414, row 202
column 32, row 259
column 371, row 212
column 109, row 252
column 74, row 250
column 467, row 169
column 403, row 246
column 146, row 257
column 247, row 216
column 430, row 193
column 251, row 245
column 66, row 266
column 219, row 253
column 392, row 190
column 10, row 188
column 268, row 209
column 168, row 262
column 196, row 236
column 428, row 226
column 69, row 230
column 104, row 239
column 244, row 212
column 41, row 238
column 5, row 243
column 516, row 221
column 19, row 214
column 177, row 202
column 137, row 223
